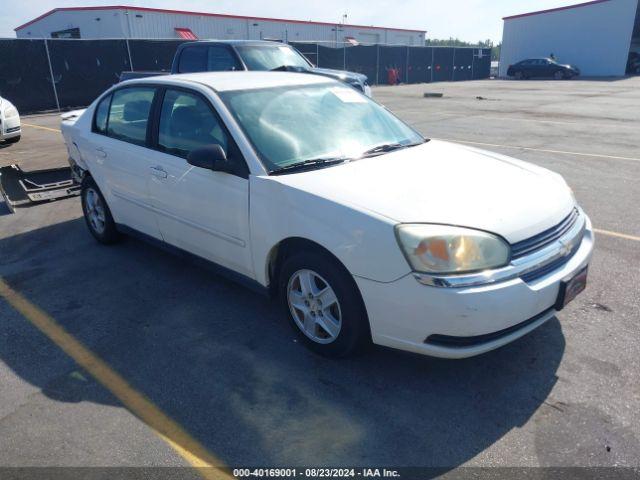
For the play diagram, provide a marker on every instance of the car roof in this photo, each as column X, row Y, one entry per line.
column 261, row 43
column 245, row 80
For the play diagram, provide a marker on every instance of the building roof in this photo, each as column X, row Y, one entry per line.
column 568, row 7
column 204, row 14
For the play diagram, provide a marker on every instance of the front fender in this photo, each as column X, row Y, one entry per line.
column 363, row 241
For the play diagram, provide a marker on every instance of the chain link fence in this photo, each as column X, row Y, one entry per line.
column 56, row 74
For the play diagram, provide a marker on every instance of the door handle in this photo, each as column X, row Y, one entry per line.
column 158, row 172
column 101, row 152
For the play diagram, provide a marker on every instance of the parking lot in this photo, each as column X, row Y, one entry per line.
column 175, row 366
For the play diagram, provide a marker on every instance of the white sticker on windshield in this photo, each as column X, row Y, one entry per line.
column 348, row 95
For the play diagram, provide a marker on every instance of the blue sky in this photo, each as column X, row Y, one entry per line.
column 469, row 20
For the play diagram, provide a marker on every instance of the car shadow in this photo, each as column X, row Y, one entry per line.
column 223, row 362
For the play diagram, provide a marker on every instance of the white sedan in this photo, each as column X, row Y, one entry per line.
column 10, row 128
column 308, row 190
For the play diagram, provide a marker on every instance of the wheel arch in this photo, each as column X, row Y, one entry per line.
column 289, row 246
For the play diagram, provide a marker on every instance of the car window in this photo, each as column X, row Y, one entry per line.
column 129, row 114
column 187, row 122
column 220, row 59
column 268, row 57
column 193, row 59
column 102, row 112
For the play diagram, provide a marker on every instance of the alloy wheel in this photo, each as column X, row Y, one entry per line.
column 95, row 211
column 314, row 306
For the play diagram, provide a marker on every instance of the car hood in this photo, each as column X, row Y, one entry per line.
column 445, row 183
column 341, row 75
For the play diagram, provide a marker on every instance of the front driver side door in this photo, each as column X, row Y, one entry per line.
column 198, row 210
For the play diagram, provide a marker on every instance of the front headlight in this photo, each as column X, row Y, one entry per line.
column 10, row 112
column 444, row 249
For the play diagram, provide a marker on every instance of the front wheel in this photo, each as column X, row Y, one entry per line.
column 559, row 75
column 97, row 214
column 324, row 305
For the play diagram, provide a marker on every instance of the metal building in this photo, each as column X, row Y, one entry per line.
column 140, row 22
column 600, row 37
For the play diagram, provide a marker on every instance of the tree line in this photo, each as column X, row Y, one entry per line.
column 456, row 42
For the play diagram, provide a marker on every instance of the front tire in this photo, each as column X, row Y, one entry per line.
column 97, row 214
column 559, row 75
column 323, row 304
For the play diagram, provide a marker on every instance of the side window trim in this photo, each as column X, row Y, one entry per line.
column 154, row 123
column 94, row 128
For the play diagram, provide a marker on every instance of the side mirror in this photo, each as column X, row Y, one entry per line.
column 211, row 157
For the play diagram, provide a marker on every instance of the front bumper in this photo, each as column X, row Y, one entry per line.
column 9, row 132
column 404, row 313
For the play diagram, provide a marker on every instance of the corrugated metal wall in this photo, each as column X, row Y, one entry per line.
column 595, row 38
column 120, row 23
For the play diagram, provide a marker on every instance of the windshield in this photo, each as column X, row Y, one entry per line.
column 269, row 57
column 288, row 125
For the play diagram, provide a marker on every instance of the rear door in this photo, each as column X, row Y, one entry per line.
column 199, row 210
column 119, row 157
column 547, row 68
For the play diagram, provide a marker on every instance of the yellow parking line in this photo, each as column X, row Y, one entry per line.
column 544, row 150
column 616, row 234
column 57, row 130
column 166, row 428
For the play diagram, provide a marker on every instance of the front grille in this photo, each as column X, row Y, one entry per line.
column 13, row 129
column 549, row 267
column 541, row 240
column 460, row 342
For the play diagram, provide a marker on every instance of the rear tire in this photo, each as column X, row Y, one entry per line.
column 519, row 76
column 97, row 214
column 323, row 304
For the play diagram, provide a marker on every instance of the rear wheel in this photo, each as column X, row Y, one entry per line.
column 97, row 214
column 519, row 75
column 323, row 304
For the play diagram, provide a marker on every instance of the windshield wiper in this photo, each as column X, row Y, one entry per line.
column 309, row 165
column 388, row 147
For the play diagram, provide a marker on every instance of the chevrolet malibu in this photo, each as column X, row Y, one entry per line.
column 308, row 190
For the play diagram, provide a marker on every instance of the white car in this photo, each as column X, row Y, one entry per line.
column 309, row 190
column 10, row 131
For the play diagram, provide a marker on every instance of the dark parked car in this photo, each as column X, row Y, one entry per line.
column 262, row 55
column 238, row 55
column 542, row 68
